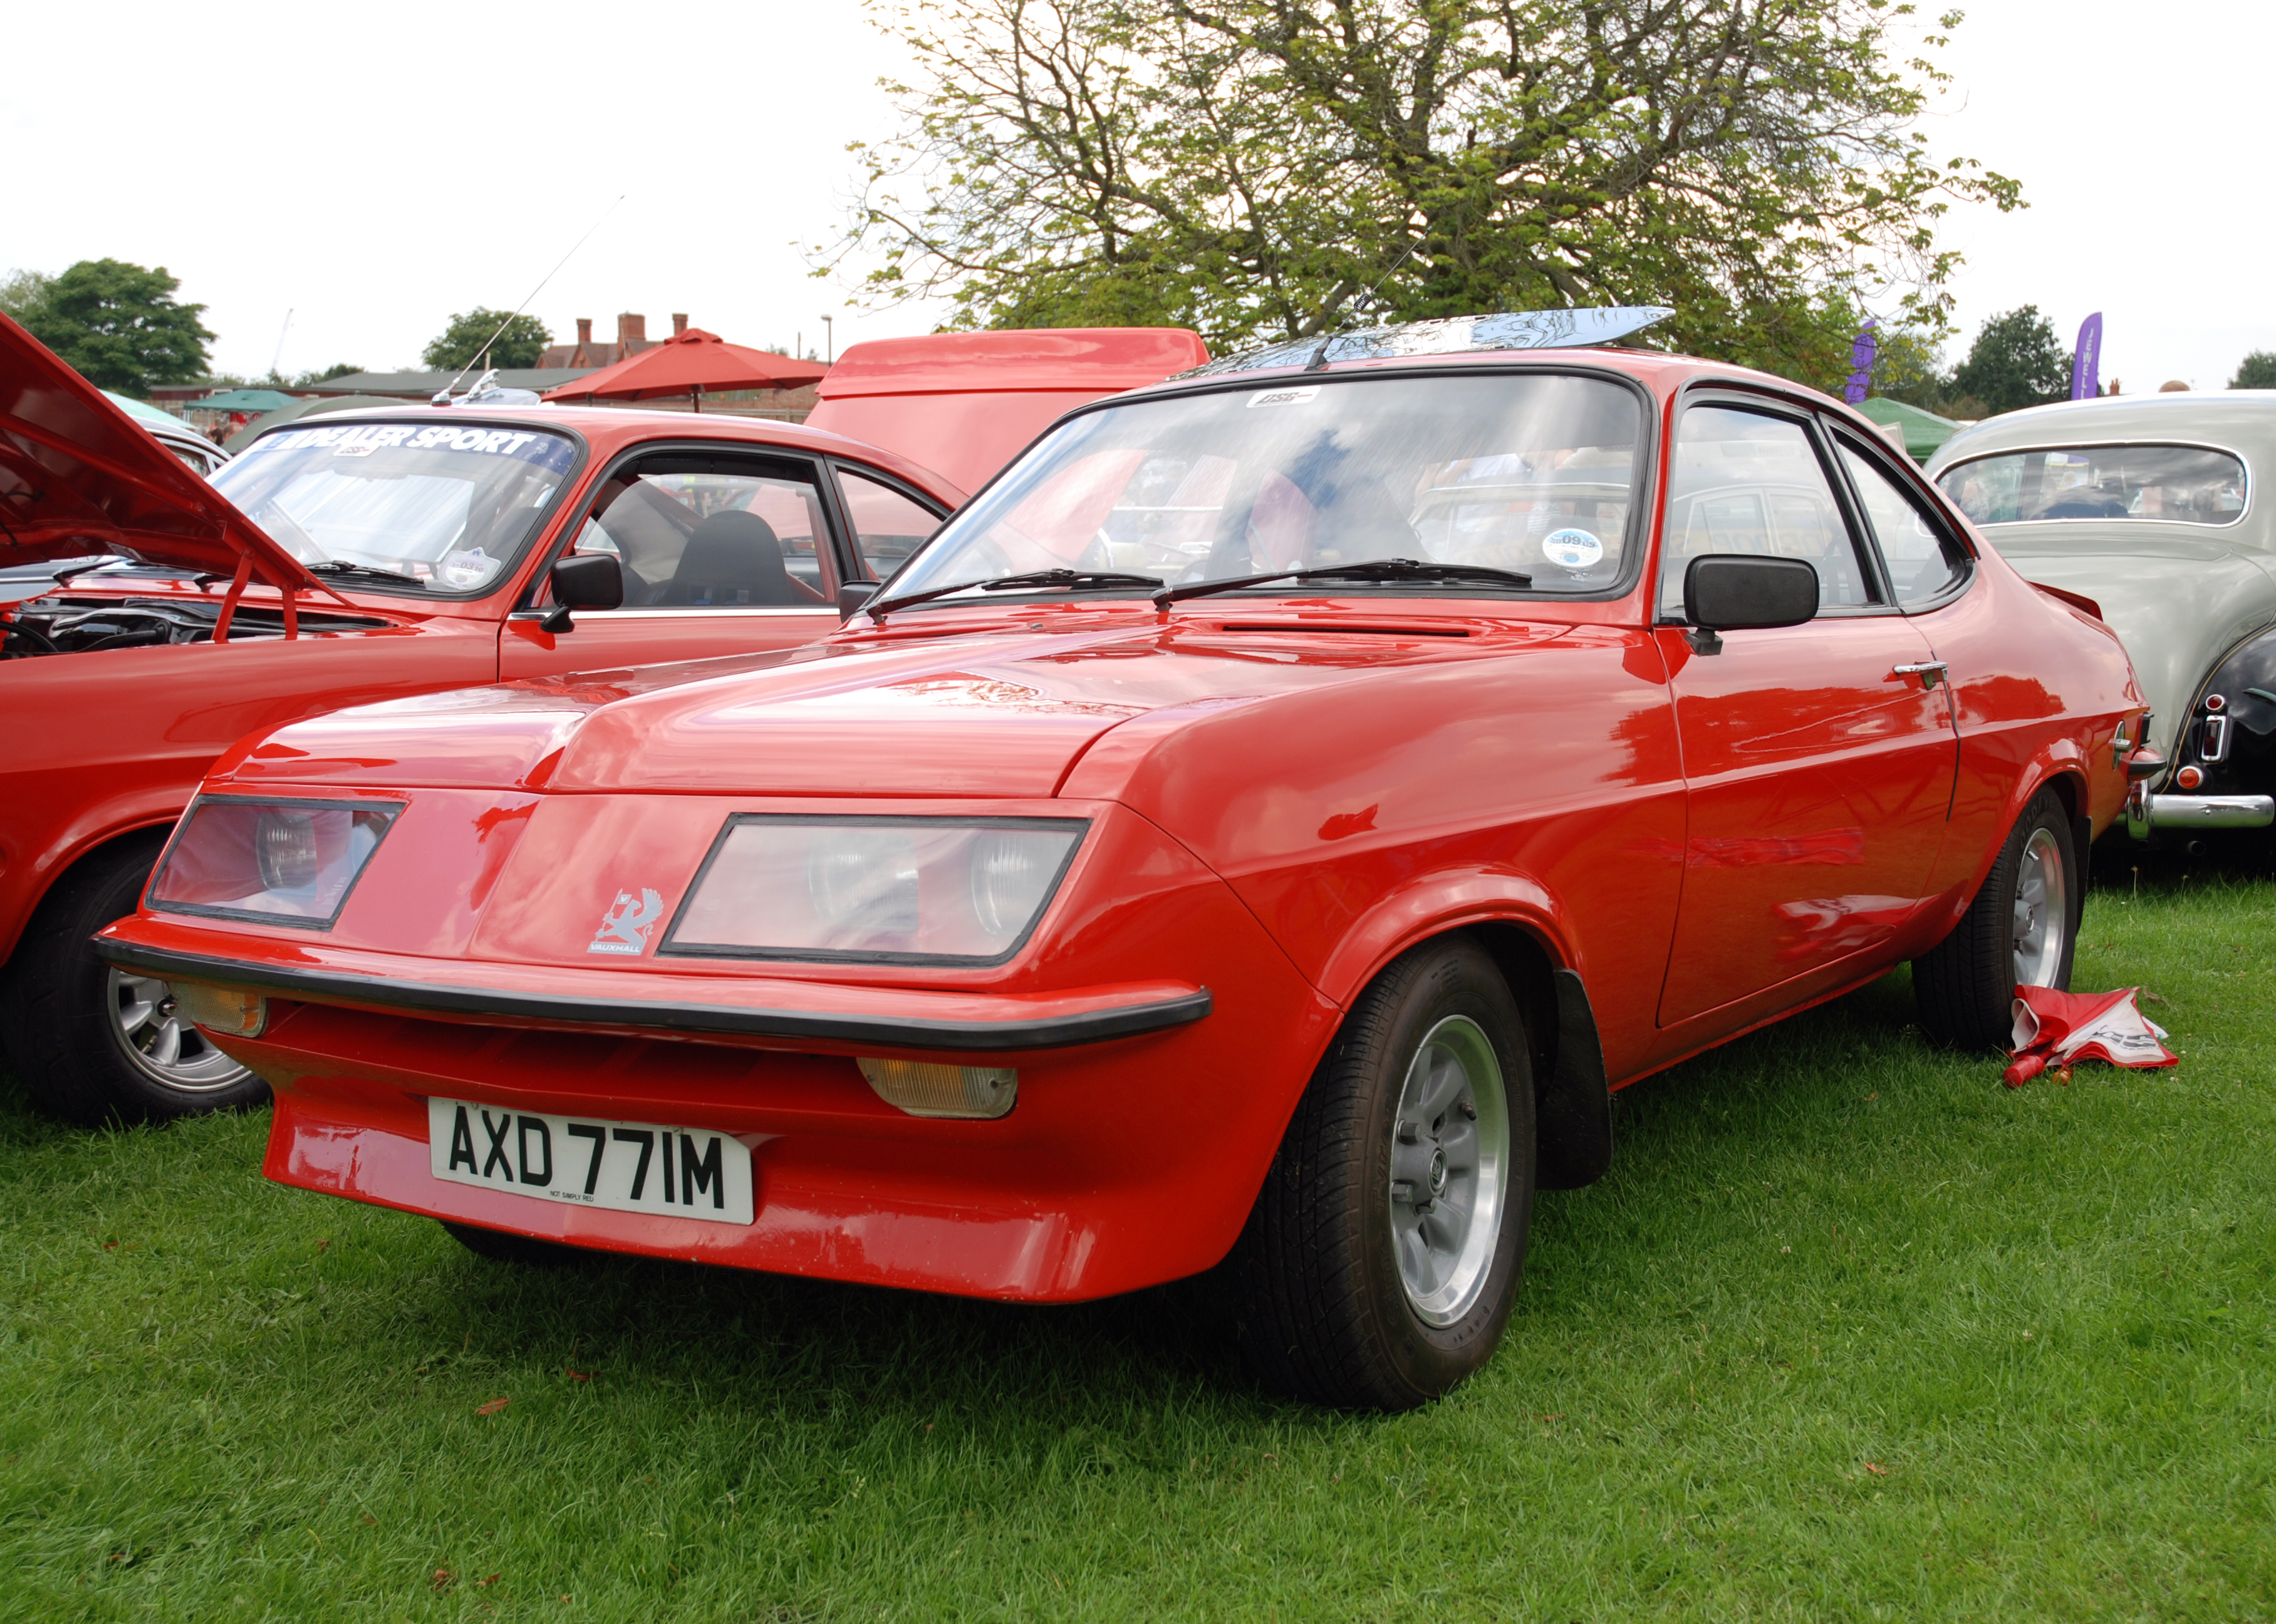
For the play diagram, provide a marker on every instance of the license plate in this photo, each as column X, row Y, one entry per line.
column 689, row 1172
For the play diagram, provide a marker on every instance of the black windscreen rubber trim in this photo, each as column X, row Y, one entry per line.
column 1049, row 1032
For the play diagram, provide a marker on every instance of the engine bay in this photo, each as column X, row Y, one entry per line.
column 63, row 623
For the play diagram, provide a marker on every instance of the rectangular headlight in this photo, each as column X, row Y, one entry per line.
column 278, row 863
column 883, row 890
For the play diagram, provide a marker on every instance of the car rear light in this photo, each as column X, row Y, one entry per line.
column 884, row 889
column 284, row 862
column 224, row 1010
column 924, row 1089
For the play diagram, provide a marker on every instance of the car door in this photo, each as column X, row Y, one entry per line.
column 723, row 551
column 1818, row 763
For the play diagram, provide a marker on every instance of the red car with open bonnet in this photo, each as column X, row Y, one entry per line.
column 361, row 556
column 1267, row 823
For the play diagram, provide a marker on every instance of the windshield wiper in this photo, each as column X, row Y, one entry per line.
column 368, row 572
column 1013, row 583
column 1363, row 569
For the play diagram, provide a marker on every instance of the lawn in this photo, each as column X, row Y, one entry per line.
column 1850, row 1331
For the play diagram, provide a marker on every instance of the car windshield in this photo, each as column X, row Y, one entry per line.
column 1532, row 473
column 447, row 507
column 2178, row 484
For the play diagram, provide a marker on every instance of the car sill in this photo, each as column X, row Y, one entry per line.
column 1094, row 1026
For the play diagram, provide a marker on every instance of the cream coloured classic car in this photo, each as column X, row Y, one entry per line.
column 2150, row 506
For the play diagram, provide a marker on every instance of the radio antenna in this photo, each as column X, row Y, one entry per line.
column 445, row 396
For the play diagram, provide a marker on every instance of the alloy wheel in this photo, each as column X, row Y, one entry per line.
column 161, row 1042
column 1449, row 1170
column 2042, row 921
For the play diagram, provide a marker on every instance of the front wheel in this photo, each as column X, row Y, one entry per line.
column 2020, row 931
column 92, row 1043
column 1379, row 1263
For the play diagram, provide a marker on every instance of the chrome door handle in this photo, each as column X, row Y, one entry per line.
column 1930, row 671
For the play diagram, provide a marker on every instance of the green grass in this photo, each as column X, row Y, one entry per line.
column 1850, row 1331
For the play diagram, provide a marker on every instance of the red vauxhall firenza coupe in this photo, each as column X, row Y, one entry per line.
column 1266, row 823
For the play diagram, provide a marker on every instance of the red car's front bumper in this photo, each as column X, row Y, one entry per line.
column 1147, row 1111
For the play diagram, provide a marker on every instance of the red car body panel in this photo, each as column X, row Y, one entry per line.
column 891, row 391
column 1705, row 844
column 104, row 743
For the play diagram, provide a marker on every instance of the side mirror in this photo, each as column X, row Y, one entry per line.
column 853, row 594
column 588, row 581
column 1739, row 591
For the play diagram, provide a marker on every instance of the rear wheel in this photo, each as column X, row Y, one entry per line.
column 94, row 1043
column 2021, row 930
column 1380, row 1262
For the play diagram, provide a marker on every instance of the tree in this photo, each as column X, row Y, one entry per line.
column 2014, row 363
column 23, row 292
column 2257, row 371
column 304, row 380
column 1278, row 167
column 468, row 335
column 1908, row 366
column 119, row 327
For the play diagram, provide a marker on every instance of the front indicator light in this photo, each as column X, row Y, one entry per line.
column 224, row 1010
column 876, row 889
column 924, row 1089
column 279, row 862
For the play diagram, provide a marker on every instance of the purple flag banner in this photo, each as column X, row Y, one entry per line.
column 1861, row 361
column 2086, row 360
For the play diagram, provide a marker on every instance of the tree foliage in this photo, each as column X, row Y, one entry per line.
column 118, row 325
column 1265, row 169
column 23, row 292
column 2016, row 361
column 519, row 345
column 2257, row 371
column 319, row 374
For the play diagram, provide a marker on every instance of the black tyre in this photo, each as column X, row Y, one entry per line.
column 1379, row 1263
column 501, row 1247
column 95, row 1044
column 2021, row 930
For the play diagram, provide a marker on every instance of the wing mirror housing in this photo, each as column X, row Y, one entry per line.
column 853, row 594
column 1739, row 592
column 588, row 581
column 580, row 580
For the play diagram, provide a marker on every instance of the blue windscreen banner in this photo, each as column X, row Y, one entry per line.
column 2086, row 360
column 1861, row 363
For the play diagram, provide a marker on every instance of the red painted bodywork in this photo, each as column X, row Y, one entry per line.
column 890, row 390
column 1284, row 795
column 104, row 742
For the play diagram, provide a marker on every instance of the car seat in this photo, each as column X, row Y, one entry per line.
column 733, row 560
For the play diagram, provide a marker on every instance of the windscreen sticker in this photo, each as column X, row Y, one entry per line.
column 1575, row 550
column 1284, row 397
column 363, row 439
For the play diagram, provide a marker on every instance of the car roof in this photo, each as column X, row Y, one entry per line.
column 613, row 424
column 2243, row 420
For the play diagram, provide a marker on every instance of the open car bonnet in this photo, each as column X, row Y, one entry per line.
column 78, row 476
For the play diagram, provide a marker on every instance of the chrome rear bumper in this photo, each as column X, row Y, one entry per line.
column 2145, row 812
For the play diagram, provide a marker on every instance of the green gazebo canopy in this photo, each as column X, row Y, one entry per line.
column 252, row 402
column 1923, row 431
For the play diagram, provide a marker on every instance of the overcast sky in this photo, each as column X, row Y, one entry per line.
column 372, row 170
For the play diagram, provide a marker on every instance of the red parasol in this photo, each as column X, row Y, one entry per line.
column 688, row 363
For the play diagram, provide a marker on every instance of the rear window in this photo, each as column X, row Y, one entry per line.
column 441, row 508
column 2169, row 484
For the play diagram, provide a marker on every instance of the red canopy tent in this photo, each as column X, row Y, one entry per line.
column 688, row 363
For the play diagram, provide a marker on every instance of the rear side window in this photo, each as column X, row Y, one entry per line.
column 1923, row 564
column 1747, row 483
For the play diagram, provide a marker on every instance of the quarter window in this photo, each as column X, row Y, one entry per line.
column 1747, row 483
column 888, row 524
column 1923, row 563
